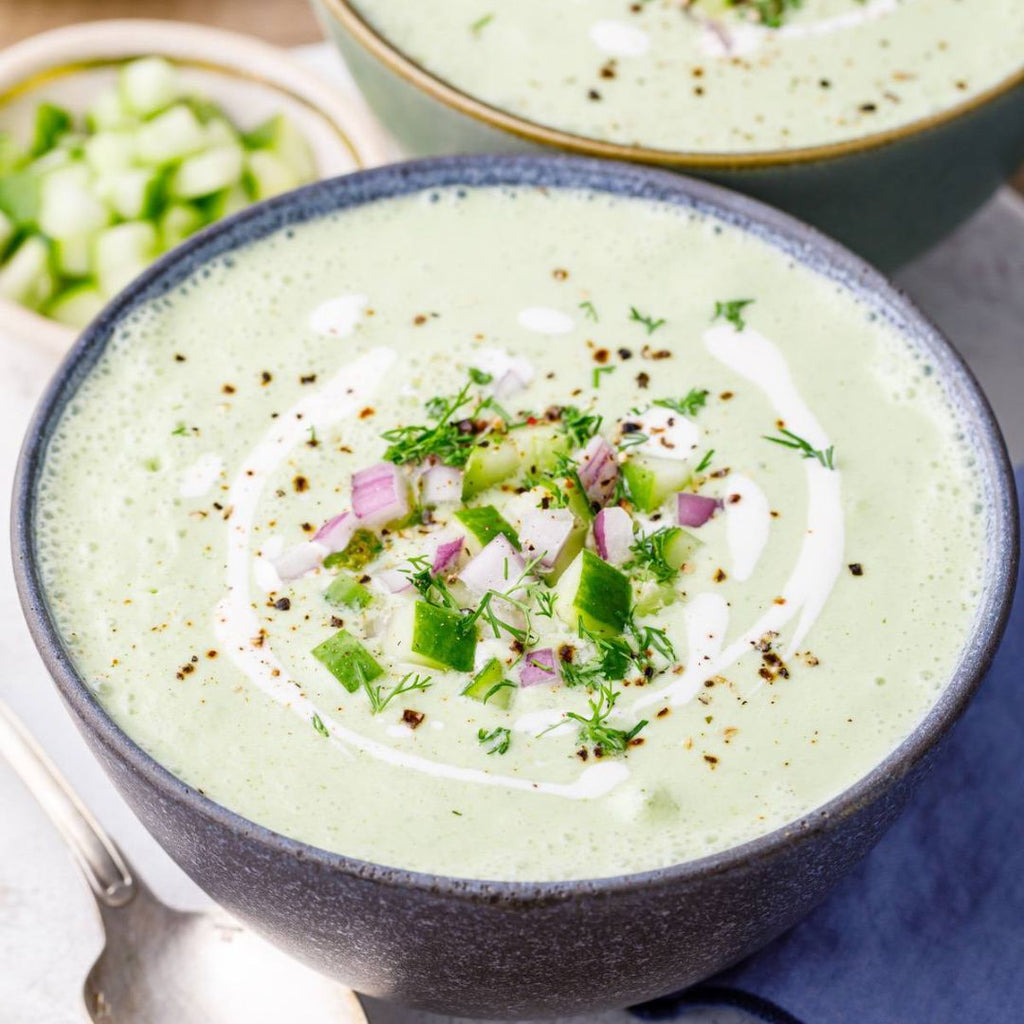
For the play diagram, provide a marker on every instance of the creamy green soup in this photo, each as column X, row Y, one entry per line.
column 557, row 699
column 708, row 76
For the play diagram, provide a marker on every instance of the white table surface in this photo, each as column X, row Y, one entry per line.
column 972, row 286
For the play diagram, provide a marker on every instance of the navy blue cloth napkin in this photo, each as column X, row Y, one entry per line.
column 930, row 928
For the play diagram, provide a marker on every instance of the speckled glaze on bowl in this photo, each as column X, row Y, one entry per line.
column 888, row 196
column 503, row 949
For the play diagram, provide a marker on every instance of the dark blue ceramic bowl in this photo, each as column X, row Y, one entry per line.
column 503, row 949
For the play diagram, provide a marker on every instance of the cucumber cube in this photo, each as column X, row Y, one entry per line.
column 489, row 685
column 76, row 307
column 347, row 660
column 136, row 193
column 347, row 592
column 651, row 481
column 541, row 447
column 149, row 85
column 489, row 465
column 284, row 140
column 7, row 232
column 11, row 153
column 19, row 197
column 219, row 132
column 268, row 175
column 442, row 638
column 205, row 173
column 483, row 524
column 680, row 547
column 26, row 277
column 223, row 204
column 72, row 256
column 108, row 113
column 110, row 151
column 177, row 222
column 596, row 592
column 170, row 136
column 51, row 123
column 121, row 253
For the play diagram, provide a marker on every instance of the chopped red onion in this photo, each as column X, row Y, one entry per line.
column 380, row 495
column 337, row 532
column 497, row 567
column 544, row 532
column 299, row 560
column 695, row 509
column 538, row 667
column 599, row 470
column 447, row 555
column 613, row 534
column 392, row 580
column 508, row 384
column 440, row 485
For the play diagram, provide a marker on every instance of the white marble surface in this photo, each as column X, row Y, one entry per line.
column 972, row 285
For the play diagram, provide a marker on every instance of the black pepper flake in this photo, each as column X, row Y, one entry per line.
column 856, row 569
column 308, row 378
column 178, row 357
column 300, row 483
column 228, row 389
column 711, row 759
column 593, row 94
column 642, row 380
column 625, row 353
column 560, row 274
column 336, row 623
column 413, row 719
column 266, row 377
column 282, row 604
column 582, row 753
column 868, row 108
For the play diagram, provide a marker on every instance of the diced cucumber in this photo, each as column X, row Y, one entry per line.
column 11, row 153
column 595, row 592
column 442, row 638
column 7, row 231
column 223, row 204
column 51, row 123
column 19, row 196
column 651, row 481
column 281, row 137
column 136, row 193
column 68, row 206
column 177, row 222
column 347, row 660
column 489, row 685
column 347, row 592
column 72, row 256
column 76, row 306
column 541, row 447
column 108, row 113
column 205, row 173
column 170, row 136
column 26, row 278
column 680, row 547
column 489, row 465
column 362, row 549
column 483, row 524
column 110, row 151
column 268, row 175
column 218, row 131
column 121, row 253
column 149, row 85
column 653, row 596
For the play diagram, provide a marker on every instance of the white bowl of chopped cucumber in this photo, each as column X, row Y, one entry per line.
column 119, row 139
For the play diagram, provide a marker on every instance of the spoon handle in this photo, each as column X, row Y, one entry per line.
column 101, row 862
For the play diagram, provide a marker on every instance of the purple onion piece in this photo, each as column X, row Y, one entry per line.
column 393, row 580
column 695, row 509
column 544, row 533
column 446, row 556
column 337, row 532
column 599, row 470
column 441, row 485
column 380, row 495
column 538, row 667
column 613, row 535
column 299, row 560
column 497, row 567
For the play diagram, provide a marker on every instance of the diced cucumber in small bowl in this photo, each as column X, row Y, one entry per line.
column 120, row 139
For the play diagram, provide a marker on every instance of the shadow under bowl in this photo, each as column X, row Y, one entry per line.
column 519, row 949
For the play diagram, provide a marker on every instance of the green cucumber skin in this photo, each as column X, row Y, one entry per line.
column 347, row 660
column 650, row 482
column 485, row 522
column 681, row 547
column 442, row 637
column 485, row 680
column 603, row 595
column 345, row 592
column 488, row 466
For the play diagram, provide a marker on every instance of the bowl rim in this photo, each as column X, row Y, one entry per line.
column 379, row 47
column 800, row 242
column 70, row 49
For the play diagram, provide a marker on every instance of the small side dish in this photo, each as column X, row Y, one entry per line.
column 88, row 200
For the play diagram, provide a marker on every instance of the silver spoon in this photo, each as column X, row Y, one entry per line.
column 161, row 965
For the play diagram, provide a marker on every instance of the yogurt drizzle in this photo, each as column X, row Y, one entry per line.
column 747, row 352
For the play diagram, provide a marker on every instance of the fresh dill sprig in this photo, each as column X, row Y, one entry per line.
column 180, row 430
column 318, row 725
column 431, row 588
column 649, row 554
column 689, row 405
column 599, row 372
column 633, row 439
column 488, row 611
column 649, row 322
column 589, row 310
column 545, row 600
column 579, row 426
column 732, row 311
column 706, row 461
column 481, row 23
column 498, row 740
column 380, row 699
column 478, row 376
column 595, row 730
column 770, row 13
column 806, row 449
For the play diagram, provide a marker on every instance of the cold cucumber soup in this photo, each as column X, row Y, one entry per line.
column 704, row 76
column 426, row 533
